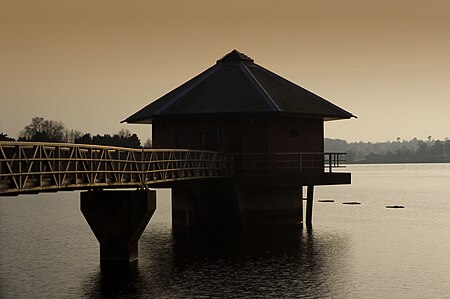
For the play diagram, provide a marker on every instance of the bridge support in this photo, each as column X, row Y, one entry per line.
column 309, row 205
column 205, row 206
column 227, row 205
column 118, row 219
column 267, row 205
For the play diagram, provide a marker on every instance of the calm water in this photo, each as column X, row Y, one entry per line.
column 360, row 251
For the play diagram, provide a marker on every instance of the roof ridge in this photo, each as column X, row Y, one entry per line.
column 273, row 106
column 192, row 83
column 304, row 89
column 198, row 80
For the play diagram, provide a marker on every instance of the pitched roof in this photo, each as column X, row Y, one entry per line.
column 236, row 85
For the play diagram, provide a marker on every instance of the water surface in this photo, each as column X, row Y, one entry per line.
column 366, row 251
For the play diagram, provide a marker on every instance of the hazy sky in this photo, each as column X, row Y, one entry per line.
column 93, row 63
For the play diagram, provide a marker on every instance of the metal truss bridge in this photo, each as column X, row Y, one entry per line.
column 33, row 167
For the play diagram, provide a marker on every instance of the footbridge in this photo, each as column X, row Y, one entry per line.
column 209, row 189
column 35, row 167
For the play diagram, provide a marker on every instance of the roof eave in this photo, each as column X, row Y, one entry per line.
column 325, row 117
column 137, row 121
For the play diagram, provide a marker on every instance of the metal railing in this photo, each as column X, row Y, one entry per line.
column 36, row 167
column 32, row 167
column 290, row 162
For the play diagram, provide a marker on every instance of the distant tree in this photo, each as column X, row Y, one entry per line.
column 372, row 158
column 350, row 157
column 4, row 137
column 43, row 130
column 85, row 139
column 126, row 139
column 422, row 153
column 148, row 143
column 447, row 150
column 71, row 135
column 124, row 133
column 105, row 139
column 437, row 151
column 335, row 145
column 123, row 139
column 412, row 151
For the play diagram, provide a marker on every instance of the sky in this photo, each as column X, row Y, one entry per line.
column 92, row 63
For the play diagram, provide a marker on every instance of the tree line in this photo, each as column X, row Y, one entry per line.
column 399, row 151
column 42, row 130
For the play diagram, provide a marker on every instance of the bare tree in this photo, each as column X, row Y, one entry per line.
column 148, row 143
column 124, row 133
column 71, row 135
column 43, row 130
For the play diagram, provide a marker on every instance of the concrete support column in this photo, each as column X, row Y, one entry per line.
column 205, row 206
column 270, row 205
column 309, row 205
column 227, row 205
column 118, row 219
column 301, row 206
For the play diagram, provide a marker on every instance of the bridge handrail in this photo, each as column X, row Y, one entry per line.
column 41, row 166
column 92, row 146
column 297, row 162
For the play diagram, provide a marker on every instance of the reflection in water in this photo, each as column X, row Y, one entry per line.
column 255, row 263
column 48, row 251
column 118, row 280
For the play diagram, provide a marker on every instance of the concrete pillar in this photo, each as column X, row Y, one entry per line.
column 270, row 205
column 118, row 219
column 209, row 206
column 227, row 205
column 309, row 205
column 301, row 205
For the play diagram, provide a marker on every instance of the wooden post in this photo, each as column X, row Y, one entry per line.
column 309, row 205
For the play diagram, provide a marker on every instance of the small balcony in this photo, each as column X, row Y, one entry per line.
column 317, row 168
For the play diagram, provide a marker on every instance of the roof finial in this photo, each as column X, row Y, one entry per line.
column 235, row 55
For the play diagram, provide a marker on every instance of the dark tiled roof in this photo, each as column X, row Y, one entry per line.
column 236, row 85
